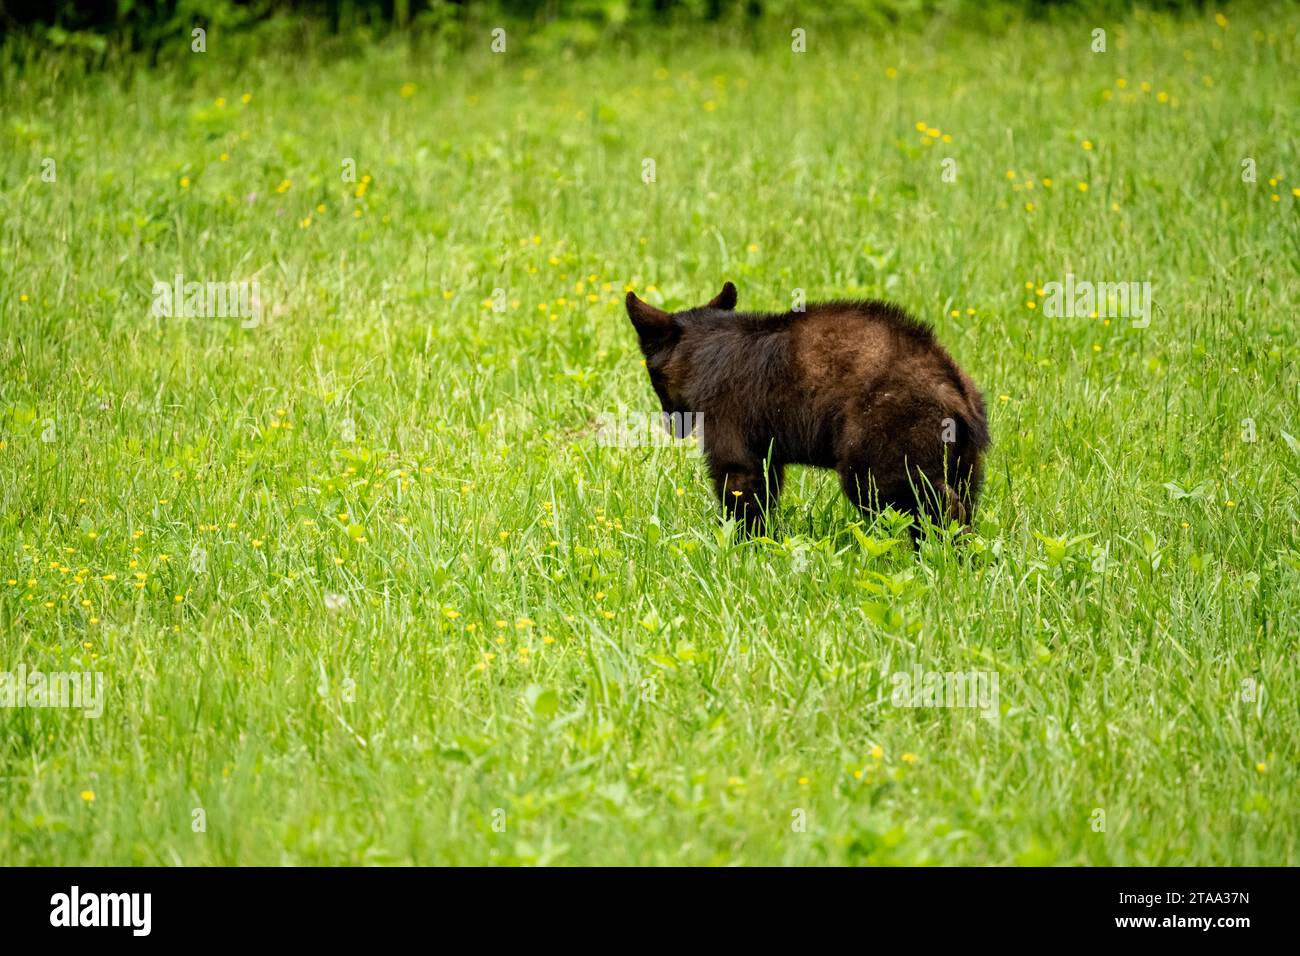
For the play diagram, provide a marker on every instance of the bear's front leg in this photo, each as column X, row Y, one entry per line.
column 747, row 487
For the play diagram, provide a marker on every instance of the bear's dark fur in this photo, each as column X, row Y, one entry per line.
column 860, row 387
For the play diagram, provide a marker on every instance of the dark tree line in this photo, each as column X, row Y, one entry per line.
column 146, row 23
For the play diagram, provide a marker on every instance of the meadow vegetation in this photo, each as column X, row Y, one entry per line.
column 365, row 588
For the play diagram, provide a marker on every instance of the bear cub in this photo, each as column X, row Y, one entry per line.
column 857, row 386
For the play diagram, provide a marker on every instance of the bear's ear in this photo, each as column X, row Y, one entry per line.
column 650, row 323
column 726, row 299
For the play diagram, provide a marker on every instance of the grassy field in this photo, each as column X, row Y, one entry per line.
column 365, row 588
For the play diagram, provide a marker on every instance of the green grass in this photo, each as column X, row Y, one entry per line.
column 659, row 693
